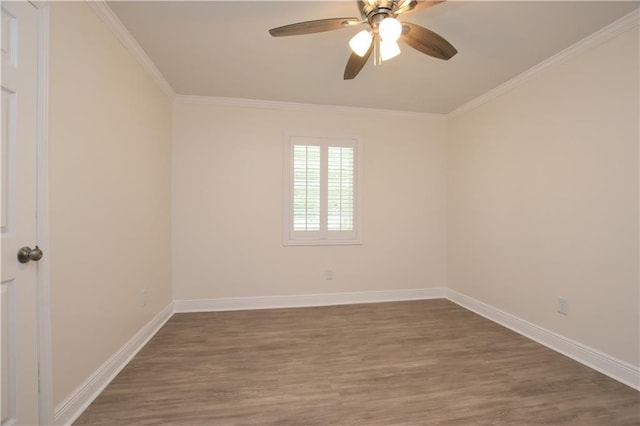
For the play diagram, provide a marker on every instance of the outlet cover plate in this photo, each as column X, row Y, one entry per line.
column 563, row 306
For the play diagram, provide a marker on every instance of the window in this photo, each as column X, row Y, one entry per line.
column 322, row 200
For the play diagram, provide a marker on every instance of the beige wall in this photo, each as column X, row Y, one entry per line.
column 110, row 130
column 227, row 206
column 543, row 199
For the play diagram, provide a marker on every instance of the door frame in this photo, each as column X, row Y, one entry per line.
column 45, row 364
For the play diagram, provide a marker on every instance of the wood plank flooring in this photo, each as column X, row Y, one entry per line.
column 402, row 363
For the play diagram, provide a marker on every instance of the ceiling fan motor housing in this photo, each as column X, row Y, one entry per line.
column 378, row 12
column 376, row 17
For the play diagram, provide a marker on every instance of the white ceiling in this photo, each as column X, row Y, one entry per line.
column 223, row 49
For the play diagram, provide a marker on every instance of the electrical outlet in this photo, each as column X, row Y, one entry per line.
column 328, row 274
column 563, row 306
column 143, row 298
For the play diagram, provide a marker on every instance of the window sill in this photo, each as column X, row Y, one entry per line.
column 322, row 243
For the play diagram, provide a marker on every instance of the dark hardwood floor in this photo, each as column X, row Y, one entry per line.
column 403, row 363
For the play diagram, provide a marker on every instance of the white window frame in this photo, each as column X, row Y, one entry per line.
column 322, row 237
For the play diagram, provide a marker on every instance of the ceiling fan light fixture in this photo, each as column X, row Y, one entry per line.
column 390, row 29
column 360, row 42
column 381, row 38
column 389, row 49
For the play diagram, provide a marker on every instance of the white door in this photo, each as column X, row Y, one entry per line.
column 18, row 175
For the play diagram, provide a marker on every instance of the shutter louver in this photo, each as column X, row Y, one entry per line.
column 306, row 188
column 340, row 202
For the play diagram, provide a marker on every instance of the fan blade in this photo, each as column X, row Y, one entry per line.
column 361, row 7
column 412, row 5
column 426, row 41
column 356, row 63
column 311, row 27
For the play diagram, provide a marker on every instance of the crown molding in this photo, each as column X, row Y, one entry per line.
column 106, row 14
column 612, row 30
column 293, row 106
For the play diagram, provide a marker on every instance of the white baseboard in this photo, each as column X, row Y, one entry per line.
column 606, row 364
column 71, row 408
column 306, row 300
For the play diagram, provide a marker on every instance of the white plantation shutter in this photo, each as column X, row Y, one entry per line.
column 306, row 188
column 321, row 190
column 340, row 189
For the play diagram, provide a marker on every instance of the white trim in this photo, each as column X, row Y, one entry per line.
column 45, row 363
column 71, row 408
column 111, row 20
column 321, row 237
column 306, row 300
column 292, row 106
column 612, row 30
column 592, row 358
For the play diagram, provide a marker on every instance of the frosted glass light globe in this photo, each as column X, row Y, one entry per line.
column 389, row 49
column 390, row 29
column 360, row 42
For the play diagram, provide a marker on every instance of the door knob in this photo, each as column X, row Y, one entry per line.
column 26, row 254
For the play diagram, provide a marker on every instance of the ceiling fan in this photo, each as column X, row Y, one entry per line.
column 382, row 38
